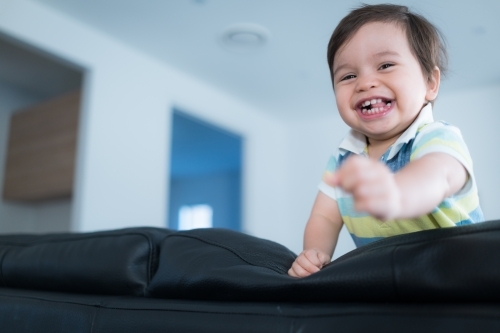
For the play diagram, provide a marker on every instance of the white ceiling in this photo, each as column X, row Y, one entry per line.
column 288, row 77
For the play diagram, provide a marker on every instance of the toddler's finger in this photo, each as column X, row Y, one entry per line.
column 306, row 264
column 352, row 172
column 330, row 178
column 324, row 258
column 313, row 257
column 297, row 271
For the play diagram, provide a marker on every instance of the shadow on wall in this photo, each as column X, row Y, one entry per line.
column 205, row 175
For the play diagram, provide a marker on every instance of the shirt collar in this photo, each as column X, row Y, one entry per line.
column 355, row 142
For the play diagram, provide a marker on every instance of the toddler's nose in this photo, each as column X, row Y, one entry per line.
column 366, row 82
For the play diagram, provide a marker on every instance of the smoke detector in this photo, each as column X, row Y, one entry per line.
column 244, row 37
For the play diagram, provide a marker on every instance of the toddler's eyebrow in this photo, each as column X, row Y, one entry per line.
column 384, row 53
column 339, row 68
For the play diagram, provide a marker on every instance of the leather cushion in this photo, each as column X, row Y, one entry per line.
column 218, row 264
column 119, row 262
column 454, row 264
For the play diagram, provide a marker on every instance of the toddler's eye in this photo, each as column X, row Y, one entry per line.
column 348, row 77
column 384, row 66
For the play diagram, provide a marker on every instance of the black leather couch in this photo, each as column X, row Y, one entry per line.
column 215, row 280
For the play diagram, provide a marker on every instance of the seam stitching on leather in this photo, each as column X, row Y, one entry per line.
column 100, row 305
column 275, row 268
column 354, row 312
column 94, row 316
column 150, row 265
column 1, row 267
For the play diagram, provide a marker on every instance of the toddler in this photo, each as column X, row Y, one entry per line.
column 397, row 171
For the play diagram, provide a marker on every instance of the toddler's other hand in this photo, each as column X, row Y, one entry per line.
column 308, row 262
column 372, row 185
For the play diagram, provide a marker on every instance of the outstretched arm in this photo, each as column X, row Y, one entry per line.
column 320, row 237
column 413, row 191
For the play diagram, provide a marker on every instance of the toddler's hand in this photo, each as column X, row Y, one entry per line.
column 308, row 262
column 372, row 185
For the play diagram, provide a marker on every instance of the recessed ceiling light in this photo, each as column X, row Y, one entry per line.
column 244, row 37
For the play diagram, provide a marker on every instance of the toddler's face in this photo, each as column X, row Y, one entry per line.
column 379, row 84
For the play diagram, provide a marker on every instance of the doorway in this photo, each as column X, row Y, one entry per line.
column 39, row 114
column 205, row 175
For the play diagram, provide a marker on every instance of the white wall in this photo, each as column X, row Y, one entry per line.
column 124, row 139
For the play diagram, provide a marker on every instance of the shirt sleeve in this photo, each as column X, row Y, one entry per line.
column 440, row 137
column 331, row 167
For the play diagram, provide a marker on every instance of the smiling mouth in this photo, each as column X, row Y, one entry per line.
column 375, row 105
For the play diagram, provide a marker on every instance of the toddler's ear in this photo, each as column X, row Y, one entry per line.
column 433, row 84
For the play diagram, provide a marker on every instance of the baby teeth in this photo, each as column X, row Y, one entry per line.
column 373, row 101
column 366, row 110
column 371, row 111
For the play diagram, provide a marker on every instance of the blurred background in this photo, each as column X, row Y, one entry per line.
column 199, row 113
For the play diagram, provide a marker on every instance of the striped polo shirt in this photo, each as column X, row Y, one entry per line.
column 424, row 136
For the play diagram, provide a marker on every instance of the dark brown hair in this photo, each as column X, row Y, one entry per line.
column 426, row 42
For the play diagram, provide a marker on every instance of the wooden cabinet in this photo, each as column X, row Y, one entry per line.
column 40, row 159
